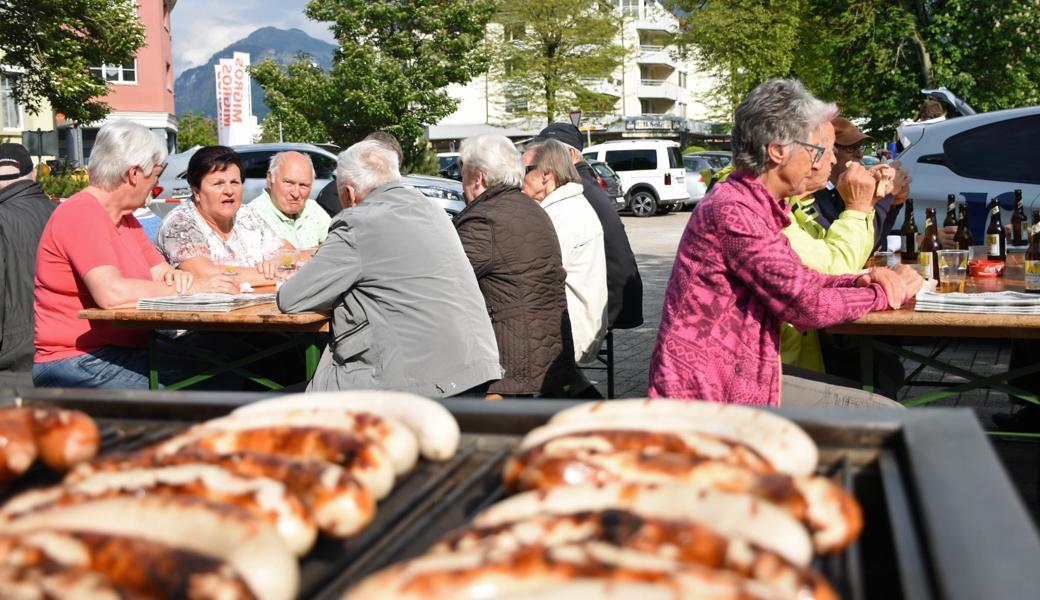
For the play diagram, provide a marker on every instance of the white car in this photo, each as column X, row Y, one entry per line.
column 975, row 157
column 651, row 173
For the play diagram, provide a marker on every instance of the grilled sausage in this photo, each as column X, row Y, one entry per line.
column 738, row 516
column 64, row 438
column 432, row 424
column 831, row 513
column 340, row 504
column 221, row 531
column 17, row 448
column 398, row 441
column 535, row 572
column 266, row 498
column 50, row 582
column 363, row 458
column 140, row 567
column 687, row 542
column 778, row 440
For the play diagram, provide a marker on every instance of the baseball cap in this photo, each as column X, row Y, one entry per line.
column 846, row 134
column 15, row 155
column 561, row 132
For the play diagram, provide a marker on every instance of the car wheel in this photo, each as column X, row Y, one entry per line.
column 643, row 204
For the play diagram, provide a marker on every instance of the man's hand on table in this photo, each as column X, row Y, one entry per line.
column 181, row 281
column 900, row 283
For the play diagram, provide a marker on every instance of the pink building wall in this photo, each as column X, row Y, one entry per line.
column 153, row 91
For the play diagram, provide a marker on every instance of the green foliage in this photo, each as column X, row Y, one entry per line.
column 691, row 149
column 195, row 130
column 57, row 41
column 546, row 52
column 872, row 57
column 63, row 185
column 391, row 71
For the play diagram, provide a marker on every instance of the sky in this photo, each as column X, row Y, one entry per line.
column 202, row 27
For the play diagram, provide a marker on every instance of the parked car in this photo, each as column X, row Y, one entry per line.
column 610, row 182
column 719, row 158
column 696, row 168
column 975, row 157
column 651, row 173
column 172, row 187
column 449, row 166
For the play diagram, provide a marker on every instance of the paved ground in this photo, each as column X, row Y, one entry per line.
column 655, row 239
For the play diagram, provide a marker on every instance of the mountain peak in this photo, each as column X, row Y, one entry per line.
column 195, row 88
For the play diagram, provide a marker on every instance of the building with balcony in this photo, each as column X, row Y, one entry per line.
column 140, row 91
column 658, row 92
column 16, row 120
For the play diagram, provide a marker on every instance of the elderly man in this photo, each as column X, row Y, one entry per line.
column 284, row 204
column 829, row 203
column 624, row 286
column 515, row 254
column 407, row 313
column 24, row 211
column 552, row 180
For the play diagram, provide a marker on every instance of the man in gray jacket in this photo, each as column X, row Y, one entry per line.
column 407, row 314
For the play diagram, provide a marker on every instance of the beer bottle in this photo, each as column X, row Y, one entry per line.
column 1032, row 279
column 963, row 237
column 996, row 240
column 930, row 246
column 909, row 234
column 1019, row 224
column 951, row 211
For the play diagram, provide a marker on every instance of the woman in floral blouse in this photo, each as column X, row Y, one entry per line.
column 209, row 235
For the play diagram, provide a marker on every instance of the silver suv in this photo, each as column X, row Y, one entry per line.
column 651, row 172
column 172, row 187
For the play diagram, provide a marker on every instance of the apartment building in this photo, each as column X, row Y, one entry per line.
column 139, row 91
column 16, row 120
column 657, row 92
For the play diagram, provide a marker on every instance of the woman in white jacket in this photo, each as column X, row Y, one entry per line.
column 552, row 180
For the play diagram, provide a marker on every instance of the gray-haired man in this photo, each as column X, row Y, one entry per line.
column 407, row 313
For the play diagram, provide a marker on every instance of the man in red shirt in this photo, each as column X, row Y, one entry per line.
column 93, row 253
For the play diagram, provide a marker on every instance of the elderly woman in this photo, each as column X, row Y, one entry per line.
column 93, row 253
column 511, row 243
column 736, row 278
column 209, row 235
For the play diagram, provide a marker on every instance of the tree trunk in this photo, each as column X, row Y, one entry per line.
column 927, row 79
column 550, row 103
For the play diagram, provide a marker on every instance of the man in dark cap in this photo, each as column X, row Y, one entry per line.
column 24, row 210
column 624, row 286
column 828, row 206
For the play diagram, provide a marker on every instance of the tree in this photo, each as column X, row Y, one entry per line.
column 390, row 72
column 195, row 130
column 548, row 52
column 870, row 56
column 54, row 43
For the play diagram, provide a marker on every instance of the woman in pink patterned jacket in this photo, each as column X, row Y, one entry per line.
column 736, row 278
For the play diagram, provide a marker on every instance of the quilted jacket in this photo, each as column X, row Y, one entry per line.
column 512, row 245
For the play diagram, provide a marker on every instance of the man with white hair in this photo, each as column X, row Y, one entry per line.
column 511, row 243
column 284, row 203
column 407, row 313
column 24, row 211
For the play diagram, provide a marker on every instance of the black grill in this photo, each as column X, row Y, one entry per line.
column 942, row 519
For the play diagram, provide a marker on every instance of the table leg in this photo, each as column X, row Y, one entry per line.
column 153, row 361
column 311, row 356
column 866, row 362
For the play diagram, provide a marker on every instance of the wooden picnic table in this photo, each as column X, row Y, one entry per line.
column 909, row 322
column 259, row 318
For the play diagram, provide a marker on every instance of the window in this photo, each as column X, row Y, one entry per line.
column 630, row 7
column 682, row 80
column 674, row 158
column 324, row 167
column 632, row 160
column 125, row 74
column 12, row 110
column 513, row 31
column 996, row 152
column 254, row 164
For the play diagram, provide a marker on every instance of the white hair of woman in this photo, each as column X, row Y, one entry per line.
column 121, row 146
column 778, row 111
column 367, row 165
column 494, row 156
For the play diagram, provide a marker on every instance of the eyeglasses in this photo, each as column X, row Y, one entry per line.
column 851, row 148
column 817, row 151
column 529, row 168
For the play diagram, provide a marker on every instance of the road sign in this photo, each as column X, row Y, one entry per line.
column 575, row 117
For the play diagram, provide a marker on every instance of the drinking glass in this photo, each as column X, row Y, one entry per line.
column 953, row 270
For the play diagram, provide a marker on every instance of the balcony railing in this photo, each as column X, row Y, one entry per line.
column 655, row 55
column 659, row 88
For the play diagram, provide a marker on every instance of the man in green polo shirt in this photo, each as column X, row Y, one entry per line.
column 284, row 204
